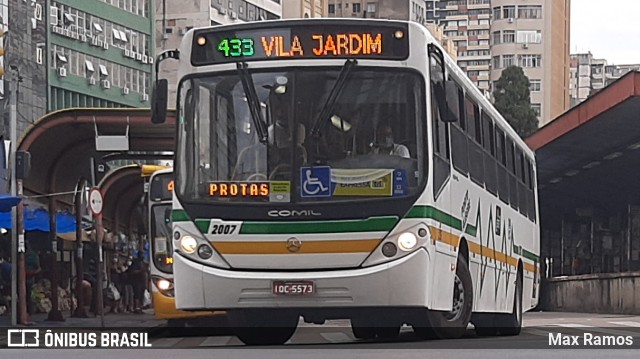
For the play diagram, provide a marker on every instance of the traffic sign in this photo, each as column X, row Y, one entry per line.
column 95, row 201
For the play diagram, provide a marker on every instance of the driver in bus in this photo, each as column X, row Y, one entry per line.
column 385, row 143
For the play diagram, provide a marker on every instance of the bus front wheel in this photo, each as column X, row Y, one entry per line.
column 263, row 328
column 453, row 324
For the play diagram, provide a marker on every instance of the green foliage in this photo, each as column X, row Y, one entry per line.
column 513, row 101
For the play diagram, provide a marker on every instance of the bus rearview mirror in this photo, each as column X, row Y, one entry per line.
column 159, row 96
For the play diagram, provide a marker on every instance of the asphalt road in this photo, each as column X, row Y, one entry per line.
column 335, row 340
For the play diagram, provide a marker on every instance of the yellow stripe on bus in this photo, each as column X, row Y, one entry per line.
column 453, row 240
column 306, row 247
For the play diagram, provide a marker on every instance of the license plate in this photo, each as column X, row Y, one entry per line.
column 306, row 287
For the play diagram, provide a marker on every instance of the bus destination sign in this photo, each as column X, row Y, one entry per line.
column 296, row 42
column 238, row 189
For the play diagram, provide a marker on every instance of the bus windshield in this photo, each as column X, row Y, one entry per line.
column 367, row 143
column 161, row 236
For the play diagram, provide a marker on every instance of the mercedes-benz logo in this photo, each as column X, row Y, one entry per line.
column 293, row 244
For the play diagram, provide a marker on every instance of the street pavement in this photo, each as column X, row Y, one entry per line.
column 334, row 339
column 111, row 320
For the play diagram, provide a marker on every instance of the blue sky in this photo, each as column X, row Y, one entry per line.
column 609, row 29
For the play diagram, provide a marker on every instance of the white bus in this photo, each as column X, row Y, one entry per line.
column 333, row 168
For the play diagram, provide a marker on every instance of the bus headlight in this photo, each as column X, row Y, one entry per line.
column 188, row 244
column 407, row 241
column 165, row 286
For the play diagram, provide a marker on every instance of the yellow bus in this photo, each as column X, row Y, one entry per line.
column 161, row 264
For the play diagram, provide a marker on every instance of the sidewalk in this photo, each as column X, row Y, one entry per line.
column 112, row 320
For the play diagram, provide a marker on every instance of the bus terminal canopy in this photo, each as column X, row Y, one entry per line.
column 63, row 143
column 591, row 153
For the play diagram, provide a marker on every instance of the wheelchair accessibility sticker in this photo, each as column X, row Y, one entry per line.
column 315, row 181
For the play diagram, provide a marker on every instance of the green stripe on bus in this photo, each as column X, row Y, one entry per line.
column 529, row 255
column 179, row 215
column 430, row 212
column 374, row 224
column 203, row 225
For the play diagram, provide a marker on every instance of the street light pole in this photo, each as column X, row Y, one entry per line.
column 14, row 211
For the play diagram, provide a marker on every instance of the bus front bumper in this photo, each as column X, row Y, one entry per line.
column 402, row 282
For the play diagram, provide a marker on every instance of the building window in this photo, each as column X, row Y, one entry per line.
column 530, row 12
column 332, row 8
column 39, row 55
column 535, row 85
column 371, row 7
column 508, row 12
column 537, row 108
column 496, row 13
column 89, row 66
column 530, row 60
column 103, row 71
column 496, row 38
column 529, row 37
column 496, row 62
column 508, row 60
column 356, row 7
column 508, row 36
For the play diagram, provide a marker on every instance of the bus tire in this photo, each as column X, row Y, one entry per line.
column 363, row 328
column 388, row 332
column 511, row 324
column 453, row 324
column 263, row 328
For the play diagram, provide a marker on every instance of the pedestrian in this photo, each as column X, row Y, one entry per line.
column 127, row 295
column 138, row 279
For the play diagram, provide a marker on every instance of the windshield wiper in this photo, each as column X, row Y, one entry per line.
column 326, row 109
column 254, row 102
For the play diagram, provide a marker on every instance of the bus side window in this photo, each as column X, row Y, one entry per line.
column 459, row 148
column 441, row 165
column 501, row 156
column 474, row 134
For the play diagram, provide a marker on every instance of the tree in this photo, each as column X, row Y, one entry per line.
column 513, row 101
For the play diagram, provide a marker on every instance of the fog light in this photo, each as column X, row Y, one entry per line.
column 205, row 252
column 389, row 249
column 188, row 244
column 407, row 241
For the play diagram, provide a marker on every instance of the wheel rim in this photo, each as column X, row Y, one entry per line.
column 458, row 301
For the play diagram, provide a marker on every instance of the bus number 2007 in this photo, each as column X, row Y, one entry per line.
column 223, row 228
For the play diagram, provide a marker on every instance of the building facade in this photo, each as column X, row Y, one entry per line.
column 174, row 18
column 90, row 53
column 491, row 35
column 468, row 24
column 294, row 9
column 534, row 34
column 589, row 75
column 408, row 10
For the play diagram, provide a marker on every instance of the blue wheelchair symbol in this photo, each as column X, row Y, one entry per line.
column 315, row 181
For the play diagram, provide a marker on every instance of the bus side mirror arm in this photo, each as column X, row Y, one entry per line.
column 159, row 92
